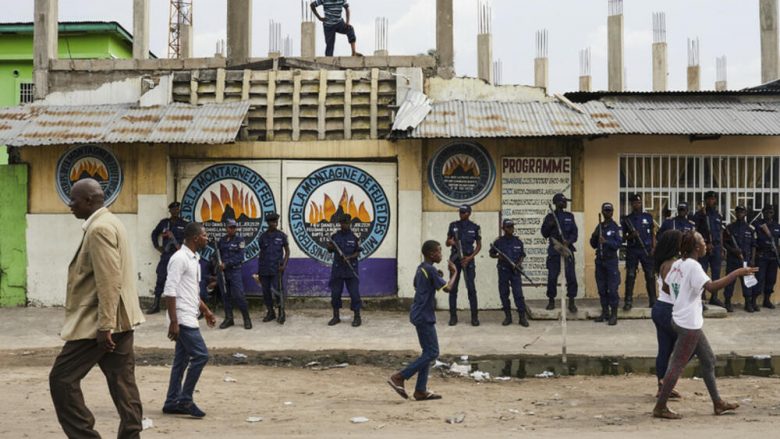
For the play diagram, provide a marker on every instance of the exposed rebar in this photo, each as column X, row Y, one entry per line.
column 306, row 14
column 541, row 43
column 659, row 27
column 585, row 62
column 721, row 69
column 615, row 7
column 275, row 42
column 693, row 52
column 484, row 16
column 498, row 67
column 381, row 33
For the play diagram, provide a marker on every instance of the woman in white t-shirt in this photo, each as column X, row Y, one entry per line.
column 686, row 280
column 666, row 252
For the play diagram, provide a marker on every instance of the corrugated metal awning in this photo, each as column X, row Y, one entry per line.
column 37, row 125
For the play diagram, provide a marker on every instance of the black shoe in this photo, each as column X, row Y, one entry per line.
column 714, row 301
column 507, row 318
column 522, row 320
column 749, row 306
column 604, row 315
column 550, row 305
column 453, row 320
column 572, row 305
column 282, row 318
column 193, row 410
column 756, row 308
column 628, row 304
column 728, row 306
column 768, row 303
column 613, row 317
column 155, row 308
column 226, row 323
column 247, row 320
column 176, row 409
column 336, row 319
column 474, row 320
column 270, row 315
column 356, row 321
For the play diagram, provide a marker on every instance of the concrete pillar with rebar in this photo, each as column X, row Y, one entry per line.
column 484, row 42
column 140, row 29
column 585, row 70
column 45, row 29
column 445, row 46
column 541, row 62
column 770, row 68
column 615, row 72
column 694, row 68
column 275, row 42
column 660, row 63
column 239, row 31
column 381, row 36
column 721, row 74
column 308, row 31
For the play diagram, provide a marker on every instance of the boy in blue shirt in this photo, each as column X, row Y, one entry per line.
column 427, row 280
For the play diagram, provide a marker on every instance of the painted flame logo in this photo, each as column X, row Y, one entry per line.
column 89, row 168
column 242, row 204
column 466, row 164
column 327, row 209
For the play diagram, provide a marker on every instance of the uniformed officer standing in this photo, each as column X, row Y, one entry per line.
column 345, row 247
column 744, row 235
column 606, row 239
column 511, row 247
column 766, row 257
column 231, row 248
column 680, row 222
column 172, row 232
column 272, row 262
column 570, row 236
column 465, row 238
column 708, row 224
column 640, row 241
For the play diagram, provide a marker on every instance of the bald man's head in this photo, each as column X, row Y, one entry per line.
column 86, row 197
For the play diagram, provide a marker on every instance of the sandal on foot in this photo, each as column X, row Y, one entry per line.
column 398, row 389
column 723, row 407
column 427, row 396
column 666, row 413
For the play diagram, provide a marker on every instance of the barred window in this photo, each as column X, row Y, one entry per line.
column 26, row 92
column 666, row 180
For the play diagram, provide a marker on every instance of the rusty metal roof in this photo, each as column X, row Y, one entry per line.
column 35, row 125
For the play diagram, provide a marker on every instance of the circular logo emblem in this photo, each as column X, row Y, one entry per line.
column 229, row 191
column 461, row 173
column 89, row 161
column 322, row 197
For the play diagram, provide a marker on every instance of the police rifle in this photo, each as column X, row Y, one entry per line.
column 281, row 294
column 734, row 243
column 601, row 246
column 516, row 267
column 558, row 245
column 458, row 245
column 765, row 229
column 633, row 230
column 172, row 241
column 341, row 253
column 221, row 282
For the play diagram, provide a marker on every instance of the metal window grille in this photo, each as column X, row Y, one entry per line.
column 26, row 92
column 666, row 180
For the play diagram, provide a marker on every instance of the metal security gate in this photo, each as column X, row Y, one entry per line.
column 666, row 180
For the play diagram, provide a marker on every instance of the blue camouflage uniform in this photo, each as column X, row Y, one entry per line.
column 468, row 233
column 636, row 254
column 711, row 220
column 169, row 245
column 745, row 236
column 341, row 274
column 232, row 252
column 513, row 248
column 766, row 258
column 682, row 224
column 607, row 272
column 271, row 257
column 570, row 234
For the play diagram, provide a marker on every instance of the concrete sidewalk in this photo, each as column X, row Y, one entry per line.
column 306, row 330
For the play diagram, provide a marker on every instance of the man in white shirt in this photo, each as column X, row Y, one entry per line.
column 182, row 295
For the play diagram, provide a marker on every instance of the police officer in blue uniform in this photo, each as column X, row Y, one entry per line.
column 640, row 241
column 744, row 236
column 272, row 262
column 172, row 232
column 344, row 270
column 708, row 223
column 680, row 222
column 511, row 247
column 768, row 233
column 570, row 236
column 465, row 238
column 606, row 239
column 231, row 248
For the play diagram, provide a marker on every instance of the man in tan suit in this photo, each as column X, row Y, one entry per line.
column 101, row 310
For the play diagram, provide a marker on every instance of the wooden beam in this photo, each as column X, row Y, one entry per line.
column 348, row 105
column 270, row 98
column 321, row 101
column 194, row 87
column 220, row 93
column 296, row 106
column 374, row 99
column 246, row 85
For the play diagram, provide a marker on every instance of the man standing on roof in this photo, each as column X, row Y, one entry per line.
column 333, row 23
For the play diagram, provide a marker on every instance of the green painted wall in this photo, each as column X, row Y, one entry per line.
column 13, row 245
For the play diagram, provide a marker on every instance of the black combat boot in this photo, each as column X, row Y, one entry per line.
column 628, row 302
column 572, row 305
column 753, row 299
column 550, row 304
column 522, row 320
column 155, row 308
column 604, row 315
column 453, row 318
column 336, row 319
column 474, row 318
column 727, row 305
column 269, row 315
column 507, row 318
column 356, row 321
column 749, row 305
column 228, row 322
column 613, row 316
column 651, row 299
column 768, row 302
column 247, row 319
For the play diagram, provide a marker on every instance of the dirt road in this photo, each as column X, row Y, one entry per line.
column 300, row 402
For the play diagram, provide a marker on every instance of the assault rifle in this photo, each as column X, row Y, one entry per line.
column 516, row 267
column 341, row 253
column 765, row 229
column 221, row 282
column 734, row 243
column 633, row 230
column 601, row 246
column 558, row 245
